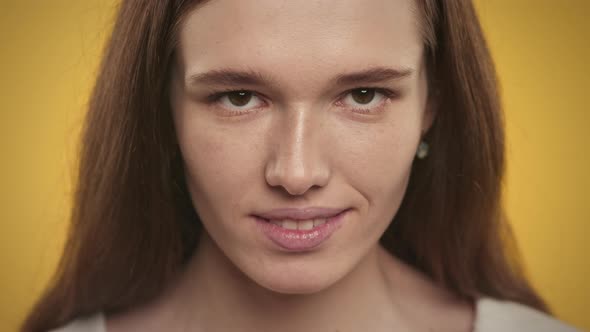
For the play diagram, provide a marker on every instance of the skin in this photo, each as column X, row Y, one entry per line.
column 300, row 141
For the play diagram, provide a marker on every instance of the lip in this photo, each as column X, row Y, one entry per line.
column 295, row 240
column 300, row 214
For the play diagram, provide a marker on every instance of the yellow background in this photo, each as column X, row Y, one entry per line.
column 49, row 51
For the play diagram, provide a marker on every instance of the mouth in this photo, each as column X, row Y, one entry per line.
column 291, row 233
column 300, row 214
column 302, row 225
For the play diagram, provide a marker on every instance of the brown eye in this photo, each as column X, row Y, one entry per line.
column 239, row 98
column 363, row 96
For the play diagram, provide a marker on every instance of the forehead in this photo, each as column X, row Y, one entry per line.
column 305, row 39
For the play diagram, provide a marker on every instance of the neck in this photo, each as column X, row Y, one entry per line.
column 221, row 298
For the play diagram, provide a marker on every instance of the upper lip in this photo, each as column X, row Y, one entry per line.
column 300, row 213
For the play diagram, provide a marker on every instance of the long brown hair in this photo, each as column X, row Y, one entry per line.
column 133, row 225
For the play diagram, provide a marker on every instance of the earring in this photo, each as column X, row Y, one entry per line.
column 422, row 150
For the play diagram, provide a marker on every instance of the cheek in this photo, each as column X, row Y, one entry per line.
column 377, row 160
column 221, row 165
column 379, row 169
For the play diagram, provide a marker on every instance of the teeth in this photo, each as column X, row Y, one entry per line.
column 318, row 222
column 289, row 224
column 305, row 225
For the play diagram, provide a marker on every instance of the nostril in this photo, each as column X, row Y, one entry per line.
column 296, row 186
column 294, row 182
column 297, row 175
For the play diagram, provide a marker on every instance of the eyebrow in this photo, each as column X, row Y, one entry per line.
column 373, row 75
column 229, row 77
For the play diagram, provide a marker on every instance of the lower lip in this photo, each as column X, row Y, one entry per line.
column 300, row 240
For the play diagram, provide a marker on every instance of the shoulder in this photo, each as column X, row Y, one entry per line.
column 495, row 315
column 93, row 323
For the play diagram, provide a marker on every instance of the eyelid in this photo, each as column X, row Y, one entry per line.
column 215, row 98
column 387, row 95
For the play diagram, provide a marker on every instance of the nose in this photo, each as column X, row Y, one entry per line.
column 296, row 163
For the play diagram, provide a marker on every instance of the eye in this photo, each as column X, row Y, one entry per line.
column 236, row 102
column 363, row 96
column 366, row 100
column 240, row 99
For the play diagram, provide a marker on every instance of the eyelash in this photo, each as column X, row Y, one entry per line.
column 387, row 94
column 215, row 98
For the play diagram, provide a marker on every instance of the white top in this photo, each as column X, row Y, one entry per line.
column 491, row 316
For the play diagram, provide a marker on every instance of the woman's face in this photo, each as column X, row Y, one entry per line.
column 299, row 171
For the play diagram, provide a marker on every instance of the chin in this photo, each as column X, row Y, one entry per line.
column 297, row 279
column 295, row 287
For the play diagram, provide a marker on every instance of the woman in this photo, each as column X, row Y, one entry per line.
column 292, row 166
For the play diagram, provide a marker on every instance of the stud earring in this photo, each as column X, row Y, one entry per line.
column 422, row 150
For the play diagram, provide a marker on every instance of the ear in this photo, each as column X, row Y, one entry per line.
column 430, row 110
